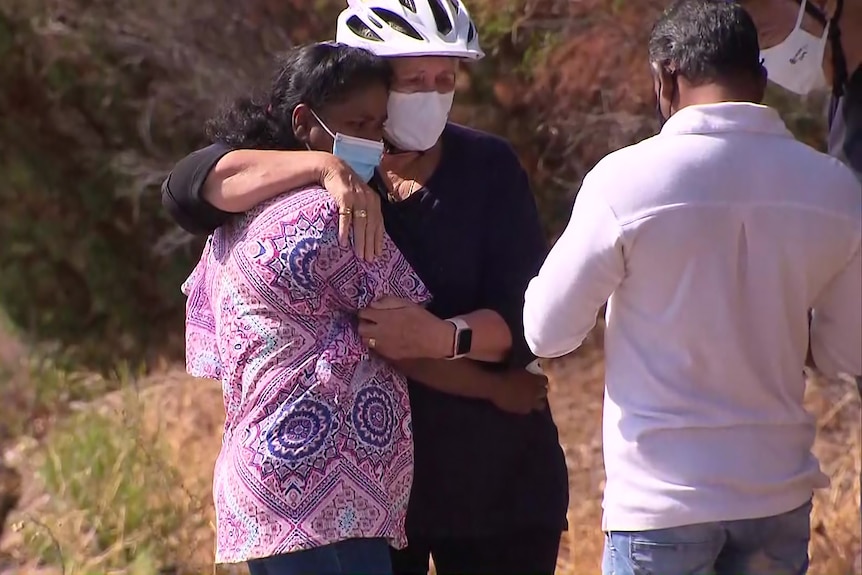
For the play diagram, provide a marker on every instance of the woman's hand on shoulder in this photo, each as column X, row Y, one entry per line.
column 358, row 206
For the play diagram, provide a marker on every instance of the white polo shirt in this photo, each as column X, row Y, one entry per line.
column 712, row 240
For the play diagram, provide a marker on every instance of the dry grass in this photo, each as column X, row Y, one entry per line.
column 165, row 437
column 836, row 548
column 108, row 490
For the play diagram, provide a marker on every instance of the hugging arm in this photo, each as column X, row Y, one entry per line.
column 516, row 391
column 182, row 191
column 209, row 185
column 513, row 249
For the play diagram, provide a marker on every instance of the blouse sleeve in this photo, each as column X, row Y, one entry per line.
column 202, row 353
column 305, row 262
column 388, row 275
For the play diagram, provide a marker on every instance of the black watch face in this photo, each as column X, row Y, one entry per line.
column 465, row 342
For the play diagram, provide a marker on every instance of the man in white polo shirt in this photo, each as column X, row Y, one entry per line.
column 713, row 240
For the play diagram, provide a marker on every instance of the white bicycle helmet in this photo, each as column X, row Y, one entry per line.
column 410, row 28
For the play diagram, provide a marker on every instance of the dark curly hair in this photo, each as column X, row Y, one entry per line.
column 315, row 75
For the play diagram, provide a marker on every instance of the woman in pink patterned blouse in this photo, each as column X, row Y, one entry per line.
column 316, row 463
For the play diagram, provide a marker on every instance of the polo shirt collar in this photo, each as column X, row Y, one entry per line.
column 726, row 117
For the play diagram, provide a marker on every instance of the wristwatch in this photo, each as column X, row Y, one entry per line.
column 463, row 342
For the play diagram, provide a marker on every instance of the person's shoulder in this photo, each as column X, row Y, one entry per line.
column 479, row 142
column 311, row 204
column 306, row 197
column 842, row 174
column 621, row 164
column 834, row 177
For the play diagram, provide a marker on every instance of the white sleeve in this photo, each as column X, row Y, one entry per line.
column 584, row 268
column 836, row 323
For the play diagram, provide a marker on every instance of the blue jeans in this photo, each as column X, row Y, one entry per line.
column 769, row 546
column 349, row 557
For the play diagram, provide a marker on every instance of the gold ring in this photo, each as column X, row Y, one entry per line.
column 361, row 214
column 345, row 212
column 372, row 343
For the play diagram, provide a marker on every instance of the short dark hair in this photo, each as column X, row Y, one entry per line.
column 706, row 41
column 314, row 75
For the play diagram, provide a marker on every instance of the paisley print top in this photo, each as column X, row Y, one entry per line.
column 317, row 444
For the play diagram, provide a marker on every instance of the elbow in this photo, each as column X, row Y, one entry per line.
column 549, row 345
column 547, row 332
column 533, row 333
column 225, row 184
column 502, row 342
column 222, row 188
column 537, row 345
column 177, row 213
column 169, row 203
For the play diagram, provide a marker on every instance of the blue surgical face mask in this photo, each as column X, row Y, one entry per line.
column 363, row 156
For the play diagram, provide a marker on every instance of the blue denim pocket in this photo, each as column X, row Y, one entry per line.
column 775, row 545
column 673, row 558
column 688, row 550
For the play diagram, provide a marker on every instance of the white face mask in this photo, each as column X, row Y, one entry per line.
column 797, row 63
column 417, row 120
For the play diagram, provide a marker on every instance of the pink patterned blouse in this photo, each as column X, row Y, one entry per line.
column 317, row 444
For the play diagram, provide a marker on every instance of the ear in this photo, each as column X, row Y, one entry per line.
column 664, row 85
column 302, row 122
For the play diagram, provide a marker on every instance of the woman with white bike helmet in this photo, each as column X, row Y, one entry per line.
column 490, row 490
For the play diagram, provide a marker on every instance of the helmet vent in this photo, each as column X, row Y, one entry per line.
column 454, row 4
column 444, row 25
column 471, row 33
column 409, row 4
column 397, row 23
column 361, row 29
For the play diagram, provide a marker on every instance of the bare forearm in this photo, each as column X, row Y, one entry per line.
column 492, row 339
column 460, row 377
column 244, row 178
column 514, row 391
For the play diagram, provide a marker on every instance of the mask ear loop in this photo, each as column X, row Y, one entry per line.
column 322, row 124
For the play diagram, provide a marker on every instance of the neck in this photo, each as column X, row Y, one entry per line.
column 408, row 171
column 717, row 93
column 396, row 152
column 399, row 161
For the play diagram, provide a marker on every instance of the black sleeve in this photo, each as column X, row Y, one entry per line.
column 514, row 251
column 181, row 191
